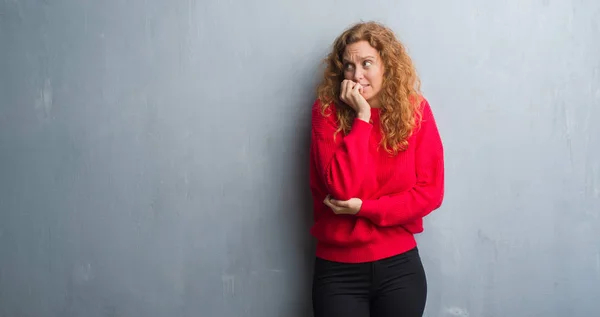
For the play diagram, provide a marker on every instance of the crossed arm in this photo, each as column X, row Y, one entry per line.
column 339, row 164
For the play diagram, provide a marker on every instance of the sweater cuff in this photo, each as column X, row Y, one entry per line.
column 361, row 126
column 369, row 210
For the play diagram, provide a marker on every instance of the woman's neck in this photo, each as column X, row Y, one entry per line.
column 374, row 103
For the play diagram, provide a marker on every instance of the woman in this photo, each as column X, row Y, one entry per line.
column 376, row 169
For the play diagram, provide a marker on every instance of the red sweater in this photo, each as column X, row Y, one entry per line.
column 397, row 191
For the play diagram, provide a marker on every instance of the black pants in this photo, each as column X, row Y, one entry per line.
column 392, row 287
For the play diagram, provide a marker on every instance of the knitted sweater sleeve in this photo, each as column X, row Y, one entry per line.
column 339, row 161
column 427, row 194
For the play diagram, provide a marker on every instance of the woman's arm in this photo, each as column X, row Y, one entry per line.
column 341, row 162
column 427, row 194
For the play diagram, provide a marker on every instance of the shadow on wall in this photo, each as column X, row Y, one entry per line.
column 297, row 198
column 303, row 212
column 305, row 220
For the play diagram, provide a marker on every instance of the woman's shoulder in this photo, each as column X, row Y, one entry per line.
column 422, row 109
column 425, row 109
column 318, row 103
column 319, row 108
column 419, row 101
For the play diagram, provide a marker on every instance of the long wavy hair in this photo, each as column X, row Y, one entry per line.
column 400, row 95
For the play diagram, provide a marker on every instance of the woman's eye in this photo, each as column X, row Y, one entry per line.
column 368, row 63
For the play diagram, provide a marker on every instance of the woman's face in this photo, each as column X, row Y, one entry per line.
column 363, row 65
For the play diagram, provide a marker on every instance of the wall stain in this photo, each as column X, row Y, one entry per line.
column 457, row 311
column 228, row 285
column 44, row 100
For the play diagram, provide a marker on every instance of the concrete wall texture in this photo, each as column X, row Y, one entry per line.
column 153, row 154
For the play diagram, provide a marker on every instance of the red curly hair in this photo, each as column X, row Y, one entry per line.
column 400, row 96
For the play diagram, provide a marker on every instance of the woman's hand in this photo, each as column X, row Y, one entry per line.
column 351, row 94
column 347, row 207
